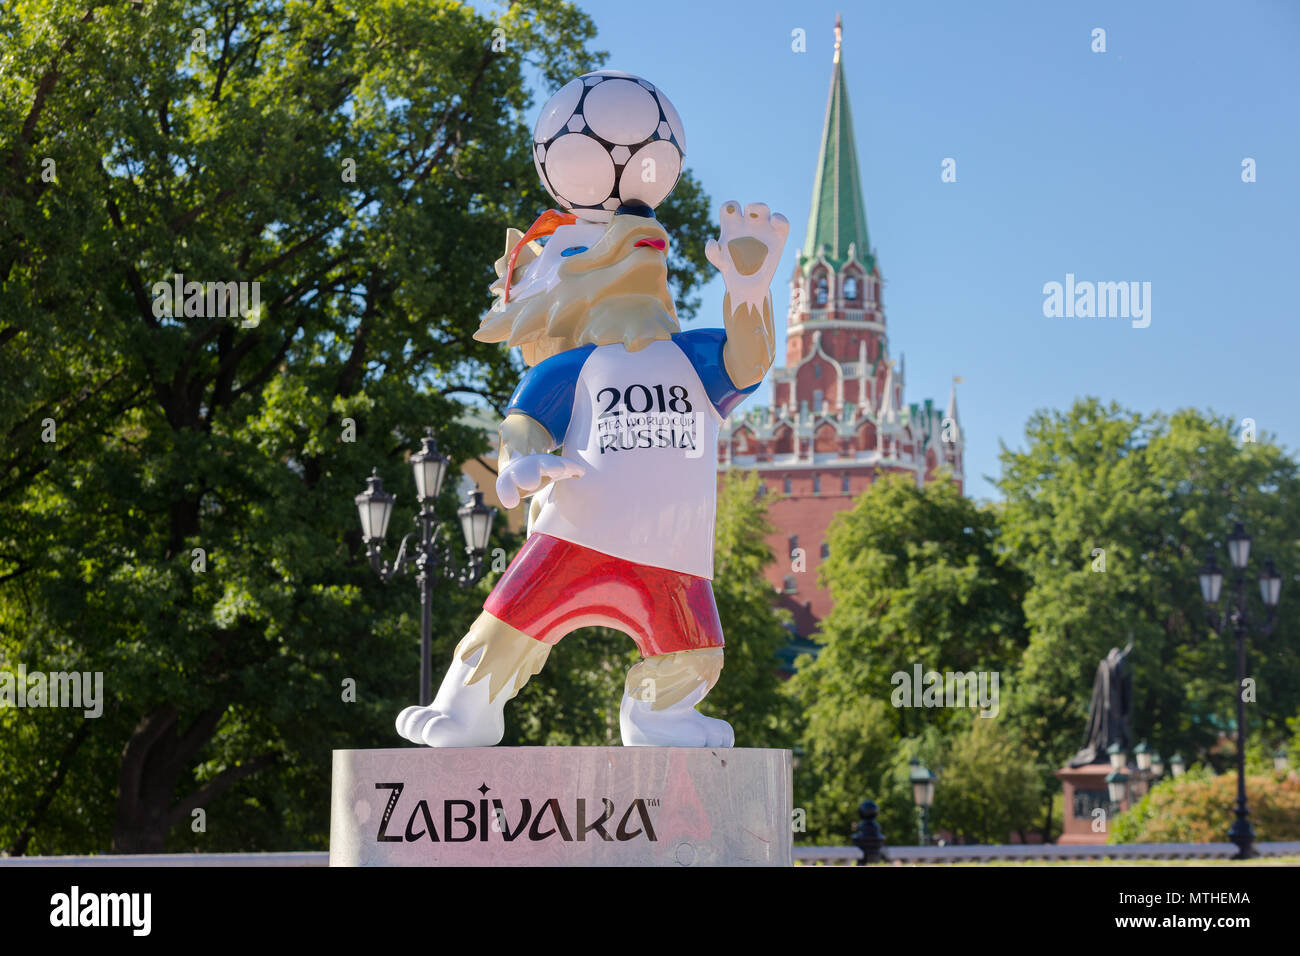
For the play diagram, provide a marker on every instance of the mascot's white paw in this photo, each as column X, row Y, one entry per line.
column 678, row 725
column 526, row 473
column 748, row 250
column 411, row 721
column 460, row 716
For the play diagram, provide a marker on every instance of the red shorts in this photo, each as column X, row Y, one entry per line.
column 554, row 586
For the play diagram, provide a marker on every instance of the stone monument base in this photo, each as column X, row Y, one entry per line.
column 1085, row 792
column 561, row 806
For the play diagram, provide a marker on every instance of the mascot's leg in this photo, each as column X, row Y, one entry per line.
column 659, row 698
column 490, row 664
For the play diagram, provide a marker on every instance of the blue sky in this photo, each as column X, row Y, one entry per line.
column 1116, row 166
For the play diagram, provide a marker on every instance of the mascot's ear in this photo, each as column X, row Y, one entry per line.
column 527, row 253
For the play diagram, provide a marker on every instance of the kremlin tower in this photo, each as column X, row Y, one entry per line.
column 838, row 417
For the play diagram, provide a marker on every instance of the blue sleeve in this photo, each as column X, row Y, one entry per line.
column 704, row 348
column 546, row 392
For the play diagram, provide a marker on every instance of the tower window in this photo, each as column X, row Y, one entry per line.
column 787, row 485
column 844, row 484
column 851, row 288
column 819, row 293
column 817, row 484
column 817, row 371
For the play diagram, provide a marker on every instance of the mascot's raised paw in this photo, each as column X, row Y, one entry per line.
column 748, row 250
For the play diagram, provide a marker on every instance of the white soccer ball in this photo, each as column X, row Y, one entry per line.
column 605, row 139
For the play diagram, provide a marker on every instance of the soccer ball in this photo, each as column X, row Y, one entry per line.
column 605, row 139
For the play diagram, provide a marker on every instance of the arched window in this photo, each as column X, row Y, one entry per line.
column 826, row 441
column 844, row 484
column 819, row 290
column 851, row 288
column 826, row 550
column 867, row 437
column 786, row 484
column 817, row 484
column 762, row 489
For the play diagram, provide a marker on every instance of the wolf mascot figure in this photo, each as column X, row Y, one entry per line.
column 621, row 520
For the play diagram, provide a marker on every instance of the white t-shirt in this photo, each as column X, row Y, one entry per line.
column 645, row 426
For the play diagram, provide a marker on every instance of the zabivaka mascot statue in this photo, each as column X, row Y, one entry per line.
column 613, row 430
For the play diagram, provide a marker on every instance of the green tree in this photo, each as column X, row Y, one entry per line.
column 987, row 789
column 1110, row 512
column 749, row 694
column 918, row 577
column 187, row 527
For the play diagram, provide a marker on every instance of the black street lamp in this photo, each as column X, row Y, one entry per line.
column 1117, row 789
column 1118, row 757
column 1142, row 755
column 434, row 556
column 923, row 793
column 1270, row 589
column 1157, row 766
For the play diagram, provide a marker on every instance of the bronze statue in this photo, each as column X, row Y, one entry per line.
column 1110, row 708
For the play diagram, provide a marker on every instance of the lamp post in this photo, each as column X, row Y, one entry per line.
column 1280, row 763
column 1117, row 787
column 1270, row 588
column 1118, row 758
column 432, row 556
column 1157, row 766
column 1143, row 757
column 1117, row 779
column 923, row 793
column 1177, row 765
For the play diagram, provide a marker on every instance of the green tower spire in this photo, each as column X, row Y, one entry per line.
column 838, row 215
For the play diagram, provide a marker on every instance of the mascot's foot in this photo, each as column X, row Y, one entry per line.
column 489, row 666
column 460, row 716
column 678, row 725
column 659, row 698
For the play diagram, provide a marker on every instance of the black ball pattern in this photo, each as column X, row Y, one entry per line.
column 540, row 147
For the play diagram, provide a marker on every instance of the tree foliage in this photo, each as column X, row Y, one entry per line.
column 1110, row 513
column 1198, row 808
column 917, row 577
column 1106, row 518
column 187, row 527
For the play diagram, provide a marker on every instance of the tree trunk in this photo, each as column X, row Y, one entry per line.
column 152, row 763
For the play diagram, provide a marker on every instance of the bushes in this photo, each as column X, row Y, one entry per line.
column 1198, row 808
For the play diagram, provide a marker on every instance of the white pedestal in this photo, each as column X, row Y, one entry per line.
column 561, row 806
